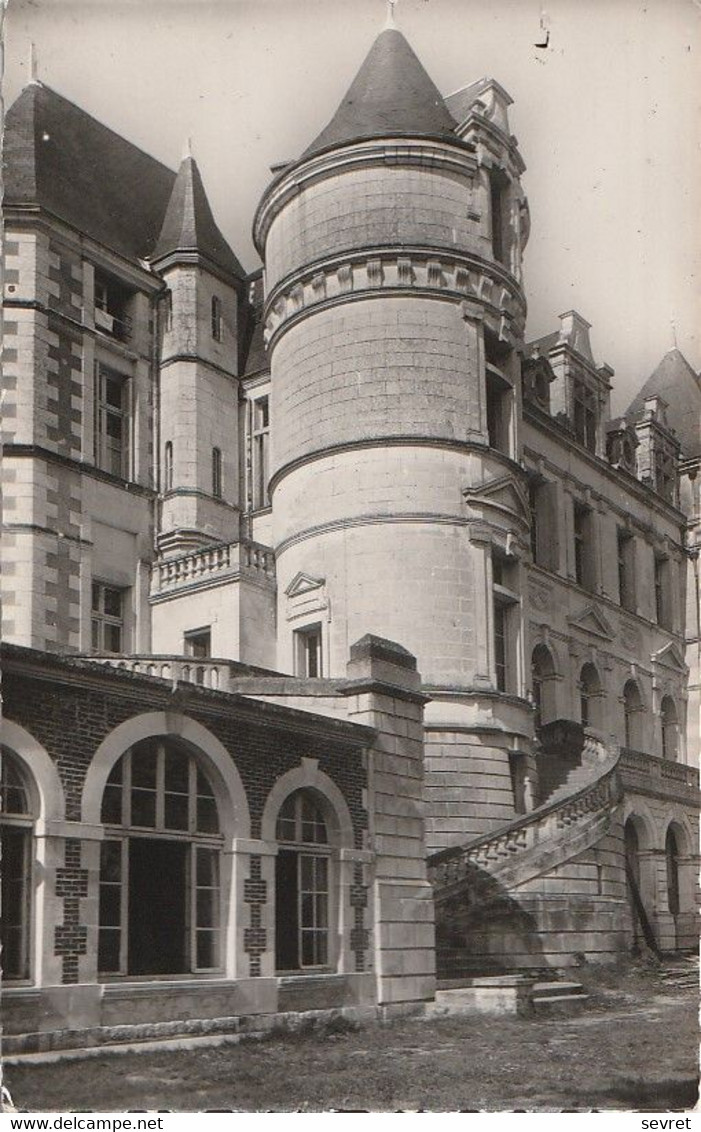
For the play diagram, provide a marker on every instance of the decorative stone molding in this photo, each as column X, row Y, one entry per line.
column 486, row 291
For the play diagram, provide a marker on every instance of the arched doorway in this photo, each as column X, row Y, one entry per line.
column 159, row 864
column 671, row 852
column 16, row 831
column 303, row 885
column 636, row 886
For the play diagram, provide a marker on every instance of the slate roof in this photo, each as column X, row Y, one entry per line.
column 62, row 159
column 679, row 385
column 391, row 94
column 189, row 226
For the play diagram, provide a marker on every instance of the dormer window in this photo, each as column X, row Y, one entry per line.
column 498, row 185
column 585, row 414
column 111, row 303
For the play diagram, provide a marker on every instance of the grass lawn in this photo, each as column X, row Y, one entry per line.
column 635, row 1048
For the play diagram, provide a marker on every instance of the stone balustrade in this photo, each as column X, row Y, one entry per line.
column 662, row 772
column 545, row 825
column 201, row 566
column 207, row 673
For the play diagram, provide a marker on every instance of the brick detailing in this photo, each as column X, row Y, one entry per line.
column 255, row 894
column 70, row 937
column 65, row 280
column 359, row 936
column 64, row 385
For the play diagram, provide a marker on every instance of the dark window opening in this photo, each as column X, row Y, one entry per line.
column 585, row 415
column 16, row 858
column 259, row 415
column 626, row 570
column 499, row 204
column 168, row 466
column 107, row 619
column 672, row 862
column 302, row 893
column 216, row 318
column 159, row 888
column 308, row 651
column 584, row 548
column 112, row 422
column 112, row 301
column 216, row 473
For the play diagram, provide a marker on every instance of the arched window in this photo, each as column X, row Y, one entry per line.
column 589, row 693
column 216, row 473
column 670, row 729
column 632, row 715
column 542, row 671
column 302, row 885
column 159, row 865
column 168, row 466
column 671, row 849
column 16, row 822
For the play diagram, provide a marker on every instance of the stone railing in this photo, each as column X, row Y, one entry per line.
column 207, row 673
column 549, row 824
column 663, row 773
column 202, row 566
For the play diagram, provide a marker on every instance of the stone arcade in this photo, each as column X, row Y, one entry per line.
column 348, row 638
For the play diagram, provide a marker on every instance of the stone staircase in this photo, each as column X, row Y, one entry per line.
column 480, row 884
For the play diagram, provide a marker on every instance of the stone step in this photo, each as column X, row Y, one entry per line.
column 559, row 1004
column 556, row 989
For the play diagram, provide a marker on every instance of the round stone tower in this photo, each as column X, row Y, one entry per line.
column 394, row 317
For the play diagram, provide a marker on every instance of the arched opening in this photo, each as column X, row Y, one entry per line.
column 670, row 729
column 671, row 851
column 160, row 904
column 638, row 885
column 632, row 716
column 16, row 829
column 589, row 696
column 542, row 683
column 303, row 884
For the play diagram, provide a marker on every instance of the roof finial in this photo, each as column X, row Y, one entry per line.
column 187, row 148
column 32, row 64
column 674, row 333
column 389, row 22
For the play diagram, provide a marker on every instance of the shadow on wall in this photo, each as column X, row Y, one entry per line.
column 482, row 930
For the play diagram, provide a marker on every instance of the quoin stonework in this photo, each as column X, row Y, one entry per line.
column 349, row 641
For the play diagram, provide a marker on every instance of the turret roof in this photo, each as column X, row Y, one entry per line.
column 677, row 383
column 189, row 226
column 391, row 94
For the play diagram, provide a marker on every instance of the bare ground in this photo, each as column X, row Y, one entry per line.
column 636, row 1047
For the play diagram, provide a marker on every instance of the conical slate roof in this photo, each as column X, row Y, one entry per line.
column 189, row 226
column 60, row 158
column 391, row 94
column 675, row 382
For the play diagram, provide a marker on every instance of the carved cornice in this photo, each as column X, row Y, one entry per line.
column 486, row 289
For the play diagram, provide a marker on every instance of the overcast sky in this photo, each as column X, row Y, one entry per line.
column 607, row 117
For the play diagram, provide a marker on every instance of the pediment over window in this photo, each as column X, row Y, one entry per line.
column 591, row 620
column 303, row 584
column 670, row 657
column 504, row 493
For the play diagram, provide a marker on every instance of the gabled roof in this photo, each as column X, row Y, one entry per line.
column 676, row 382
column 391, row 94
column 189, row 225
column 63, row 160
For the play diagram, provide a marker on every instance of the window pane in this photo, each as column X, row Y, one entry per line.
column 206, row 949
column 308, row 957
column 110, row 905
column 96, row 594
column 143, row 768
column 114, row 391
column 307, row 872
column 175, row 811
column 143, row 808
column 321, row 910
column 322, row 948
column 113, row 638
column 206, row 867
column 111, row 861
column 177, row 772
column 207, row 818
column 112, row 602
column 203, row 786
column 205, row 908
column 108, row 950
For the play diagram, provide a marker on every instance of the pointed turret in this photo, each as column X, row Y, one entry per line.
column 189, row 225
column 391, row 95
